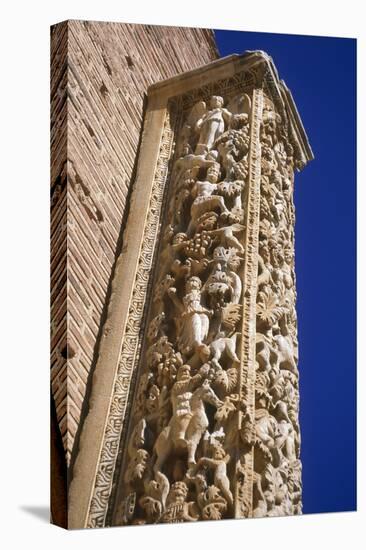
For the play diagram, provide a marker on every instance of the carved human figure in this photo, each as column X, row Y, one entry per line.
column 212, row 124
column 282, row 273
column 286, row 438
column 205, row 200
column 193, row 321
column 224, row 285
column 152, row 401
column 189, row 419
column 137, row 465
column 181, row 395
column 177, row 508
column 218, row 463
column 266, row 428
column 287, row 348
column 266, row 431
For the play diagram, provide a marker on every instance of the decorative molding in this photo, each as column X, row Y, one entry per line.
column 244, row 468
column 130, row 344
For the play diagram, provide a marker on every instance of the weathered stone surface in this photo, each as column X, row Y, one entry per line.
column 194, row 403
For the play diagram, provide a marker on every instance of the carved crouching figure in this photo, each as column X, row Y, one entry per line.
column 218, row 463
column 204, row 198
column 177, row 508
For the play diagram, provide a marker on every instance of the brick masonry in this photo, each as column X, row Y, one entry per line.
column 99, row 76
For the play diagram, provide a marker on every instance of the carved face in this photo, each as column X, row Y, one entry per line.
column 216, row 102
column 267, row 153
column 218, row 452
column 184, row 373
column 281, row 155
column 179, row 238
column 152, row 400
column 213, row 174
column 264, row 252
column 179, row 491
column 194, row 283
column 262, row 400
column 186, row 149
column 275, row 256
column 221, row 254
column 207, row 221
column 288, row 256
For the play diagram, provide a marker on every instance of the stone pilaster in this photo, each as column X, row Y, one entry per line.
column 195, row 393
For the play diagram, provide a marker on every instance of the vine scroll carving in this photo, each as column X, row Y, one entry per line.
column 211, row 429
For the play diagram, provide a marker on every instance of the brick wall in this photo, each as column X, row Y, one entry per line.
column 99, row 74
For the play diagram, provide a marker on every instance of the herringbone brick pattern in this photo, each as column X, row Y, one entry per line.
column 99, row 74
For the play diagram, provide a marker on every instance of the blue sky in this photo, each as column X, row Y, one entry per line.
column 321, row 74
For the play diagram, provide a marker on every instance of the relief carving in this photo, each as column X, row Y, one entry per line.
column 202, row 420
column 218, row 375
column 186, row 407
column 277, row 480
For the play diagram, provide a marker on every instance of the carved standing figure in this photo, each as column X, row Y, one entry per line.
column 212, row 124
column 193, row 322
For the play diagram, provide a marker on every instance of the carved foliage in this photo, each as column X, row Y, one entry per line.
column 277, row 468
column 183, row 430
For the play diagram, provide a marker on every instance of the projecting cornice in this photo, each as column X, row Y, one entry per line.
column 262, row 67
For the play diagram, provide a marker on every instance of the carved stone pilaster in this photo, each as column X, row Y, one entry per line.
column 203, row 422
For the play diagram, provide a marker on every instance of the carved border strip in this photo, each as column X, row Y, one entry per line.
column 243, row 81
column 175, row 121
column 130, row 344
column 244, row 480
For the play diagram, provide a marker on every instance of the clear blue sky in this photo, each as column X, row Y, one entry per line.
column 321, row 73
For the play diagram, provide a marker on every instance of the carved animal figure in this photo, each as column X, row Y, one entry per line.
column 287, row 354
column 224, row 345
column 266, row 355
column 264, row 275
